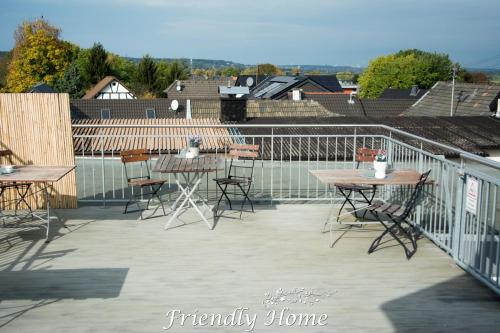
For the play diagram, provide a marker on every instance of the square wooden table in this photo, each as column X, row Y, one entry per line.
column 189, row 171
column 45, row 175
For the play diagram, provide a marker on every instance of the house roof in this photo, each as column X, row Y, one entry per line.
column 255, row 79
column 339, row 103
column 411, row 93
column 122, row 108
column 469, row 100
column 472, row 134
column 197, row 88
column 330, row 82
column 286, row 108
column 113, row 140
column 278, row 87
column 92, row 92
column 41, row 87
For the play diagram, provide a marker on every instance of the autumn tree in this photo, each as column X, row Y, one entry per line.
column 96, row 65
column 5, row 58
column 39, row 55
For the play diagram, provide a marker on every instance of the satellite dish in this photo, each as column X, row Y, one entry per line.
column 174, row 105
column 249, row 81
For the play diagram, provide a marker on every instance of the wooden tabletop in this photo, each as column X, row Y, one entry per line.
column 36, row 174
column 365, row 177
column 173, row 164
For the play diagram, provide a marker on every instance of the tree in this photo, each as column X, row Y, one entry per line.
column 39, row 55
column 122, row 68
column 263, row 69
column 474, row 77
column 147, row 74
column 5, row 59
column 71, row 82
column 96, row 65
column 176, row 70
column 229, row 71
column 404, row 69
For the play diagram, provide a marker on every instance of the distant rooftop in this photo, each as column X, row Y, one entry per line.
column 469, row 100
column 413, row 93
column 197, row 88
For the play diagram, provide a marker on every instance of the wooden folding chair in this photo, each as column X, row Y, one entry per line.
column 242, row 182
column 392, row 213
column 141, row 156
column 22, row 188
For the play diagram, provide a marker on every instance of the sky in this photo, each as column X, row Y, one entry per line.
column 284, row 32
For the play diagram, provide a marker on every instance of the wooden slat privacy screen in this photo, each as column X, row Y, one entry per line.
column 37, row 129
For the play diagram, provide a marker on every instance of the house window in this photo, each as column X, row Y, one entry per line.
column 105, row 114
column 150, row 114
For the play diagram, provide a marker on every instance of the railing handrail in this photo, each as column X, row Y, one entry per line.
column 462, row 153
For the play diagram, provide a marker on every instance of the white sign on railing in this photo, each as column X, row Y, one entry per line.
column 472, row 187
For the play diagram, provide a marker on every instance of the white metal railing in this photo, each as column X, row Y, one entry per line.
column 282, row 175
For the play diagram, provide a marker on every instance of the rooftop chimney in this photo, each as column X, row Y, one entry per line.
column 414, row 90
column 297, row 94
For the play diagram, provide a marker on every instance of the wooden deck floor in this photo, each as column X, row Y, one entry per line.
column 110, row 273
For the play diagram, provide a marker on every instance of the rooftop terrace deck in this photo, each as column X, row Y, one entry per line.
column 107, row 272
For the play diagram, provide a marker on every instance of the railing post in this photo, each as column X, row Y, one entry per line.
column 103, row 170
column 272, row 163
column 458, row 225
column 354, row 148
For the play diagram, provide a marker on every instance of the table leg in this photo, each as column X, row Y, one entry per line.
column 47, row 199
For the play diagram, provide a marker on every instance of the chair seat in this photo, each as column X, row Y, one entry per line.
column 231, row 181
column 390, row 208
column 146, row 182
column 354, row 187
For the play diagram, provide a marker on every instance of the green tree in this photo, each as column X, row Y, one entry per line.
column 404, row 69
column 147, row 77
column 263, row 69
column 71, row 82
column 96, row 65
column 229, row 71
column 122, row 68
column 176, row 70
column 39, row 55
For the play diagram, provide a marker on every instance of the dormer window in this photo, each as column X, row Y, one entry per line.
column 105, row 114
column 150, row 113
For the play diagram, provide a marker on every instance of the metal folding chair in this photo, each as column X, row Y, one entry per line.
column 242, row 181
column 141, row 181
column 362, row 155
column 396, row 215
column 21, row 188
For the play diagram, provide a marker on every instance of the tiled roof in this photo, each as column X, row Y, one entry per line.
column 285, row 108
column 411, row 93
column 156, row 139
column 339, row 103
column 197, row 88
column 121, row 108
column 330, row 82
column 472, row 134
column 470, row 100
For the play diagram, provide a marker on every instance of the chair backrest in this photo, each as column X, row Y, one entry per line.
column 237, row 151
column 6, row 155
column 242, row 150
column 412, row 201
column 132, row 156
column 366, row 154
